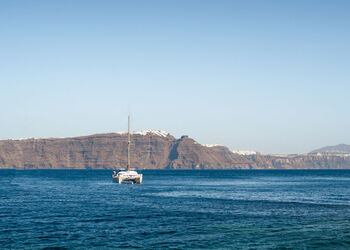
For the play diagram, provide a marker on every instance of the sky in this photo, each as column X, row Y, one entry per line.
column 269, row 76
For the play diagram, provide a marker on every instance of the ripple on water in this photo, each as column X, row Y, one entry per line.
column 181, row 209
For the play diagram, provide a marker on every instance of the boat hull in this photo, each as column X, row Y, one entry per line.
column 135, row 179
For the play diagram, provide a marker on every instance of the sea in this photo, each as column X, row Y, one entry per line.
column 178, row 209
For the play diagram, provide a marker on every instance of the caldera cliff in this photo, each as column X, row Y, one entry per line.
column 149, row 150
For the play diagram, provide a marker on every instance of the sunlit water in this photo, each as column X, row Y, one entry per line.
column 176, row 209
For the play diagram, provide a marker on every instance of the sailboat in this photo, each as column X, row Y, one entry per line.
column 128, row 175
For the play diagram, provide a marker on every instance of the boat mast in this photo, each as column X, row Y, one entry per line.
column 129, row 143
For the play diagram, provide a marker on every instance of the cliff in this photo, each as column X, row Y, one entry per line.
column 340, row 149
column 149, row 150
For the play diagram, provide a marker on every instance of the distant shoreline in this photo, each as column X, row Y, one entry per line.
column 151, row 149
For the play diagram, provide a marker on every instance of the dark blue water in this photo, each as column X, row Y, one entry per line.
column 176, row 209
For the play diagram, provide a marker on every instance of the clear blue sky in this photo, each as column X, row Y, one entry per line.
column 271, row 76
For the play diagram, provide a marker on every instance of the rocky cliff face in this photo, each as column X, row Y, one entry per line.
column 150, row 150
column 304, row 161
column 102, row 151
column 341, row 149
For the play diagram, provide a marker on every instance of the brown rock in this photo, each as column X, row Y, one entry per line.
column 149, row 151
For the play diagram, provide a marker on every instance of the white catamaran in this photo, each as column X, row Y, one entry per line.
column 127, row 175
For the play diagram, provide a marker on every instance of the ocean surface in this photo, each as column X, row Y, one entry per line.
column 249, row 209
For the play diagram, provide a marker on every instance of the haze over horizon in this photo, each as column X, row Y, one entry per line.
column 268, row 76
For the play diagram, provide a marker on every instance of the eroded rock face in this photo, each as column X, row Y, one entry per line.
column 340, row 150
column 148, row 151
column 102, row 151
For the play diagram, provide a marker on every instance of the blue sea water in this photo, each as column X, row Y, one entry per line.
column 251, row 209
